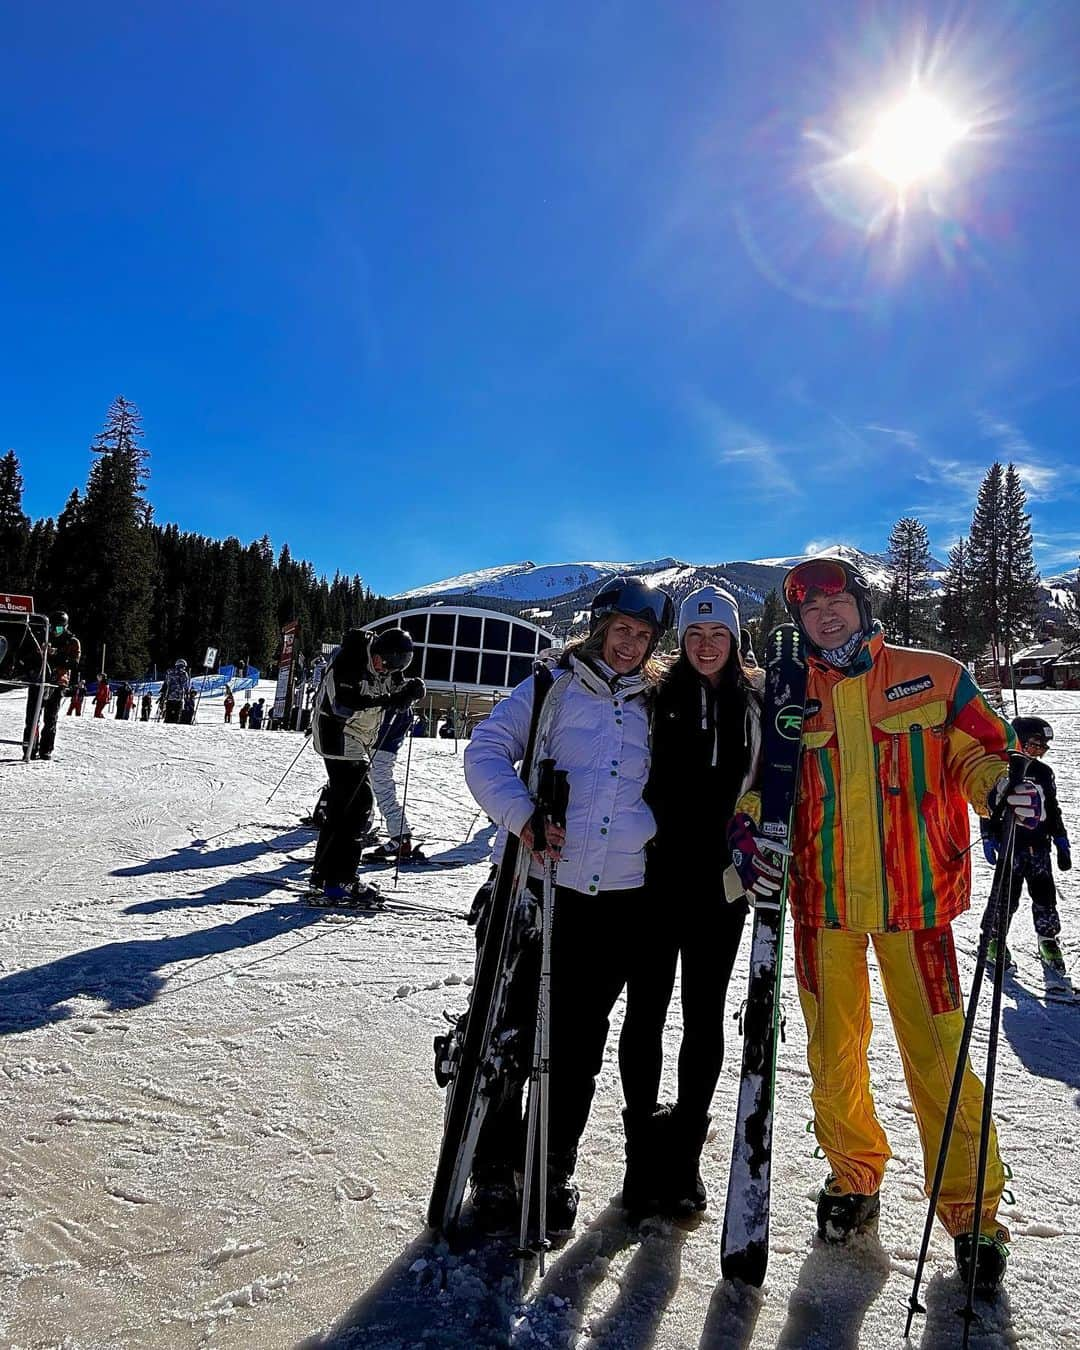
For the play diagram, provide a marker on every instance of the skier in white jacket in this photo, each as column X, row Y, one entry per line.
column 595, row 725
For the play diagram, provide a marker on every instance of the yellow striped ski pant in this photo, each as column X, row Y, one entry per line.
column 922, row 990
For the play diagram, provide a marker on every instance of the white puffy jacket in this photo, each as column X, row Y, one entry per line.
column 599, row 733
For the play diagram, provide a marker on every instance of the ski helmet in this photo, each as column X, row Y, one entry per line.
column 181, row 664
column 394, row 647
column 1032, row 729
column 60, row 622
column 829, row 576
column 631, row 596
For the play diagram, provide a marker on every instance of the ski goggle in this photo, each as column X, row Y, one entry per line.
column 637, row 601
column 817, row 575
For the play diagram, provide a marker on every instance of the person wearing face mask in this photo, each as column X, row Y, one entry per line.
column 594, row 724
column 896, row 744
column 706, row 755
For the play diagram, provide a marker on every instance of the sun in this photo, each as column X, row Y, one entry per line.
column 910, row 142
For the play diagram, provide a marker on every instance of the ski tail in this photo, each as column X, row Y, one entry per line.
column 468, row 1090
column 744, row 1249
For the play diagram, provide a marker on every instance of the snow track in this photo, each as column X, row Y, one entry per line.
column 220, row 1120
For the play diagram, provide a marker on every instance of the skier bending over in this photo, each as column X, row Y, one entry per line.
column 362, row 681
column 895, row 744
column 595, row 725
column 706, row 753
column 1031, row 847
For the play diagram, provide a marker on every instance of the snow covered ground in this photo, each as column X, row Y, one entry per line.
column 219, row 1122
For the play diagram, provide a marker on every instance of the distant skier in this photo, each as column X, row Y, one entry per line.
column 362, row 681
column 255, row 716
column 595, row 724
column 102, row 695
column 78, row 694
column 125, row 698
column 244, row 714
column 146, row 707
column 1031, row 848
column 187, row 715
column 706, row 754
column 61, row 666
column 174, row 689
column 896, row 744
column 230, row 704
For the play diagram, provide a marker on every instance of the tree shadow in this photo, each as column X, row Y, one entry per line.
column 194, row 857
column 128, row 974
column 1045, row 1036
column 944, row 1329
column 837, row 1284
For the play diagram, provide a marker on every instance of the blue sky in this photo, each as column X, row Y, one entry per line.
column 426, row 287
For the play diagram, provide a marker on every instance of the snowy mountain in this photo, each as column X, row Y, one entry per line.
column 555, row 592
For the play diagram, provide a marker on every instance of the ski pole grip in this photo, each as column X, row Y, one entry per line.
column 1018, row 767
column 560, row 798
column 545, row 792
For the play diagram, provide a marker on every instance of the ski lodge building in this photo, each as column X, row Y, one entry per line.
column 468, row 658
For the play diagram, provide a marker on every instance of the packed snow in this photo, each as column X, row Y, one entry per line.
column 220, row 1119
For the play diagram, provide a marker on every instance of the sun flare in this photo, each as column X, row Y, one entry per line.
column 910, row 142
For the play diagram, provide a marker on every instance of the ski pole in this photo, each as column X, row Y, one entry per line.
column 290, row 768
column 552, row 800
column 404, row 797
column 996, row 905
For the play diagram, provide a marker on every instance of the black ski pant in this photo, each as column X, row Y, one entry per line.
column 593, row 938
column 349, row 806
column 50, row 711
column 172, row 710
column 1033, row 866
column 689, row 920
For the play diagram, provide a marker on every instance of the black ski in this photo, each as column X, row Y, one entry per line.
column 744, row 1251
column 468, row 1059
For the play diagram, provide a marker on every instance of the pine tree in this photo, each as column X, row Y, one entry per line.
column 772, row 613
column 957, row 620
column 985, row 560
column 1019, row 575
column 115, row 556
column 14, row 527
column 909, row 557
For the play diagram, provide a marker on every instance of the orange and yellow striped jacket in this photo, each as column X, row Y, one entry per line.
column 894, row 748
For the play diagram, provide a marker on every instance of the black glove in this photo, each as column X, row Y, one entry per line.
column 409, row 692
column 1064, row 854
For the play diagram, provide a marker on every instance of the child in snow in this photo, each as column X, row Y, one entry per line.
column 1031, row 847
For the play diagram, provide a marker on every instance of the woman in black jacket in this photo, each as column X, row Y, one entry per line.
column 706, row 754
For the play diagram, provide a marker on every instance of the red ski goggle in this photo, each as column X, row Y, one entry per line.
column 818, row 575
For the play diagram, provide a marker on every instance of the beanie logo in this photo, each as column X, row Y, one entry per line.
column 704, row 607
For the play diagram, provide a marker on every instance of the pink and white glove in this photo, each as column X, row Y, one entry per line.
column 759, row 876
column 1025, row 800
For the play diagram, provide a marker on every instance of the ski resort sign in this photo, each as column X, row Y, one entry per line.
column 16, row 604
column 283, row 691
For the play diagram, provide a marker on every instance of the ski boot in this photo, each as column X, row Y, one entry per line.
column 643, row 1181
column 356, row 894
column 1051, row 955
column 991, row 1257
column 991, row 958
column 839, row 1215
column 496, row 1205
column 562, row 1196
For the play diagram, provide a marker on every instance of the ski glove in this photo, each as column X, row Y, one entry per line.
column 1064, row 854
column 407, row 693
column 1025, row 801
column 990, row 851
column 759, row 876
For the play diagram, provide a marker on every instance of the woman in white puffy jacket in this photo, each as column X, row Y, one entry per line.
column 595, row 725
